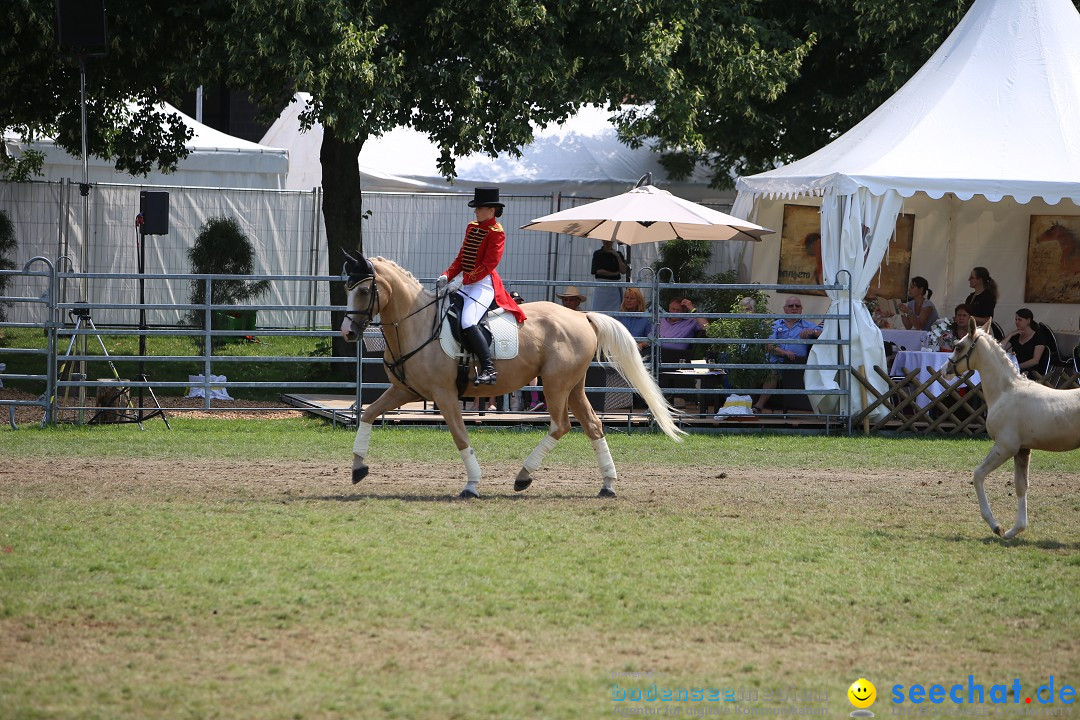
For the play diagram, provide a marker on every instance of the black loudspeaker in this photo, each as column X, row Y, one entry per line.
column 80, row 24
column 154, row 208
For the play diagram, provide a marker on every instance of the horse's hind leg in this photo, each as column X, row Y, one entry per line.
column 393, row 397
column 1020, row 484
column 594, row 430
column 994, row 459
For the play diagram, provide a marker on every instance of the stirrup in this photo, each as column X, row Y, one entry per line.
column 485, row 377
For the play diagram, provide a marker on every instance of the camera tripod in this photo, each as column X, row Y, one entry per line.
column 81, row 317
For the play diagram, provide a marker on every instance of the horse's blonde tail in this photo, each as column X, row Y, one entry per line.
column 616, row 345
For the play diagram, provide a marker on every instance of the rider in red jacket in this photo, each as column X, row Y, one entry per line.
column 476, row 261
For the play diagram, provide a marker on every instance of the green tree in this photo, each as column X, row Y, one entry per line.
column 153, row 53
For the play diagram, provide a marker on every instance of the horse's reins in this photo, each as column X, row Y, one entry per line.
column 952, row 366
column 396, row 365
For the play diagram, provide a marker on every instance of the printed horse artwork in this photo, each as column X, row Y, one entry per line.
column 554, row 343
column 1021, row 416
column 1070, row 247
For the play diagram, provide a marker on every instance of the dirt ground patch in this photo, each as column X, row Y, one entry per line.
column 881, row 496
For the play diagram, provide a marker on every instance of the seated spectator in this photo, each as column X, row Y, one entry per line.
column 675, row 349
column 633, row 301
column 919, row 313
column 789, row 328
column 678, row 329
column 946, row 332
column 571, row 297
column 1027, row 342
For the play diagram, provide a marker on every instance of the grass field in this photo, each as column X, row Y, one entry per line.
column 228, row 569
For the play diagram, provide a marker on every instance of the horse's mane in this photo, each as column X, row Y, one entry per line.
column 400, row 269
column 995, row 347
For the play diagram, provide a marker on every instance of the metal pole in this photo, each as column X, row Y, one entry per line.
column 84, row 187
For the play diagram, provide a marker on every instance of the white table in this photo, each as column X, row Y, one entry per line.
column 907, row 339
column 926, row 363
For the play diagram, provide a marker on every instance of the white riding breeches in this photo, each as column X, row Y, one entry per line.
column 478, row 297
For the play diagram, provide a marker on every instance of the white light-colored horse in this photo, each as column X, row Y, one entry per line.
column 1021, row 416
column 554, row 343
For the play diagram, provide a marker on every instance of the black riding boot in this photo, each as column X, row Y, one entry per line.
column 474, row 341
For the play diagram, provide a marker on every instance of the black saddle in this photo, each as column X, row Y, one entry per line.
column 457, row 304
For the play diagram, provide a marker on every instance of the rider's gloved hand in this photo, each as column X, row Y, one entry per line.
column 441, row 282
column 455, row 284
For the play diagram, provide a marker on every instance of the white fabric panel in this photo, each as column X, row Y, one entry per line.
column 859, row 227
column 279, row 224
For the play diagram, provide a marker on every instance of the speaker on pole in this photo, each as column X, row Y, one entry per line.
column 80, row 25
column 154, row 208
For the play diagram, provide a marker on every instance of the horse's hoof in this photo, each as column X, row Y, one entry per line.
column 468, row 495
column 522, row 484
column 998, row 531
column 359, row 473
column 606, row 492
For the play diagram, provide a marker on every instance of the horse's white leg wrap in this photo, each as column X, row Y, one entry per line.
column 536, row 457
column 472, row 469
column 603, row 459
column 363, row 439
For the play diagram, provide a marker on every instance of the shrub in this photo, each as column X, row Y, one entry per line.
column 741, row 353
column 222, row 248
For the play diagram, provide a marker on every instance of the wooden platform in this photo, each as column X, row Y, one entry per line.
column 340, row 408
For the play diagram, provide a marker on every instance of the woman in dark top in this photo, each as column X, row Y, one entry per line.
column 1027, row 342
column 608, row 264
column 984, row 296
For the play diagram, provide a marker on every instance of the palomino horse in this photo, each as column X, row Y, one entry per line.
column 554, row 342
column 1021, row 416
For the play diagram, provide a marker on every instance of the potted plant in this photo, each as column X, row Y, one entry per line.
column 222, row 248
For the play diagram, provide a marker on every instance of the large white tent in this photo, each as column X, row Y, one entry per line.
column 215, row 160
column 985, row 135
column 581, row 156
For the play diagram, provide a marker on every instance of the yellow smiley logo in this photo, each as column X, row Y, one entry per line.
column 862, row 693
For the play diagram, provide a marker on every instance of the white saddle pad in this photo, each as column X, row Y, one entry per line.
column 504, row 336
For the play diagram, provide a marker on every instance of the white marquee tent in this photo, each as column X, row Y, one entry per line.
column 216, row 160
column 981, row 138
column 581, row 156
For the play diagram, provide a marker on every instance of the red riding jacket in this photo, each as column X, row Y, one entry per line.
column 480, row 253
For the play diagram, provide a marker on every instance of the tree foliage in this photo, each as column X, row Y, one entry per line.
column 153, row 54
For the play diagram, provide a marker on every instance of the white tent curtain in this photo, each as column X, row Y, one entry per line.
column 855, row 233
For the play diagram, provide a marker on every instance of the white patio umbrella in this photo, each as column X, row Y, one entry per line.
column 647, row 214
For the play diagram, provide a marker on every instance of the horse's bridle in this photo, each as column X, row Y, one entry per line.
column 951, row 365
column 367, row 313
column 353, row 280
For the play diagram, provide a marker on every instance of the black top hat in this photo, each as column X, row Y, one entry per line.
column 485, row 197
